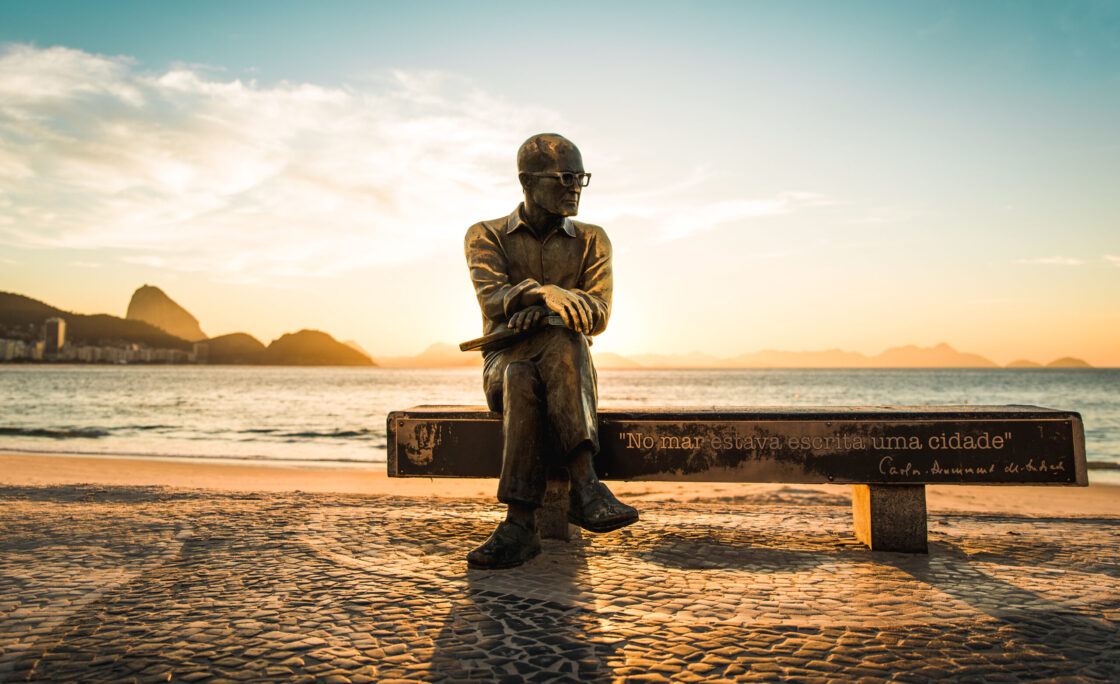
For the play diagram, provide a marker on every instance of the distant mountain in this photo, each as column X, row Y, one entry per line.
column 22, row 317
column 151, row 305
column 235, row 348
column 612, row 360
column 438, row 355
column 304, row 348
column 311, row 348
column 910, row 356
column 19, row 313
column 941, row 356
column 1064, row 362
column 1068, row 362
column 443, row 355
column 691, row 360
column 358, row 348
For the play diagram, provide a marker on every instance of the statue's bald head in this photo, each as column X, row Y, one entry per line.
column 548, row 152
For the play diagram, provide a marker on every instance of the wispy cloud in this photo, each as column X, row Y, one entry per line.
column 245, row 182
column 1112, row 259
column 190, row 172
column 1052, row 260
column 677, row 217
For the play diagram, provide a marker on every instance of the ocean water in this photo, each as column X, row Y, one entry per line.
column 336, row 416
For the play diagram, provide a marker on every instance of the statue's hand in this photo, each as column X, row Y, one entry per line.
column 575, row 312
column 527, row 318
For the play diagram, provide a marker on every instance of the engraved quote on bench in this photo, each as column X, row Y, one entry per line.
column 964, row 445
column 901, row 451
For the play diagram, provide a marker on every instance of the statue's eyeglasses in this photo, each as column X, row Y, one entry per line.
column 567, row 178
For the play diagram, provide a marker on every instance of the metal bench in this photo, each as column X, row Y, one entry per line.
column 888, row 453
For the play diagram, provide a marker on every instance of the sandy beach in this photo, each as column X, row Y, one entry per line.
column 42, row 470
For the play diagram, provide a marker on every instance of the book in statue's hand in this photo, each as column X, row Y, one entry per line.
column 504, row 337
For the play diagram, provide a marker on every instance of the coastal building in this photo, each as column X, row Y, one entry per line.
column 54, row 335
column 55, row 349
column 20, row 350
column 87, row 354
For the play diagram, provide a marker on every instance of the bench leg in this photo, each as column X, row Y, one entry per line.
column 552, row 516
column 890, row 517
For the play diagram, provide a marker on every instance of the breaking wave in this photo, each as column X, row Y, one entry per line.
column 60, row 433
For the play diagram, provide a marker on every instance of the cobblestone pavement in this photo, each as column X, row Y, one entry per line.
column 152, row 584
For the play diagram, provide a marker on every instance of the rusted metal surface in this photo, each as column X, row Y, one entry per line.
column 857, row 445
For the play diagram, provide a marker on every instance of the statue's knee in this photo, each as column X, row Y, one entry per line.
column 567, row 342
column 521, row 376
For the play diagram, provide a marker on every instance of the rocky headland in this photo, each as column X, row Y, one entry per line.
column 151, row 305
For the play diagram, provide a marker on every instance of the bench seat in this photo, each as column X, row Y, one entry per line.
column 888, row 452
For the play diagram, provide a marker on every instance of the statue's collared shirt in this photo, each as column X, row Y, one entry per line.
column 506, row 258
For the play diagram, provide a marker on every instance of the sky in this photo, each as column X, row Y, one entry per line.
column 772, row 175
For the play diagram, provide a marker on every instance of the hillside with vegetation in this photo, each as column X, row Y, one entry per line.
column 22, row 318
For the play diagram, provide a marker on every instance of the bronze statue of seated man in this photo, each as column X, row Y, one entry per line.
column 528, row 268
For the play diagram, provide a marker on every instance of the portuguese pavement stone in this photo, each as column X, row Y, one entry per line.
column 106, row 584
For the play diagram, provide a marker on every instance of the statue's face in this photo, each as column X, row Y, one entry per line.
column 548, row 192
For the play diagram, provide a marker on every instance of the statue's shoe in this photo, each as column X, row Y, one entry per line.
column 509, row 546
column 595, row 509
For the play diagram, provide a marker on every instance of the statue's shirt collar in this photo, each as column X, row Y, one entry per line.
column 516, row 221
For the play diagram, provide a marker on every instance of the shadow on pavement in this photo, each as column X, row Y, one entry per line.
column 530, row 623
column 1027, row 618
